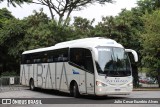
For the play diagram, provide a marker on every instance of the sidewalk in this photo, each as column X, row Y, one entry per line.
column 146, row 89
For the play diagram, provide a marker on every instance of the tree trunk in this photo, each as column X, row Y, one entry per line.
column 67, row 17
column 49, row 6
column 158, row 70
column 135, row 75
column 60, row 19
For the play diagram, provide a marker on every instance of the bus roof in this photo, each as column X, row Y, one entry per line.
column 82, row 43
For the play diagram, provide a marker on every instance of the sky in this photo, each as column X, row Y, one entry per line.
column 92, row 11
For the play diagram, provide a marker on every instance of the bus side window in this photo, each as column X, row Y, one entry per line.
column 28, row 58
column 28, row 61
column 76, row 56
column 60, row 58
column 44, row 57
column 23, row 59
column 36, row 58
column 50, row 59
column 62, row 55
column 83, row 58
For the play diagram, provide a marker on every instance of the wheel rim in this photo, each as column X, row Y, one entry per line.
column 32, row 85
column 74, row 90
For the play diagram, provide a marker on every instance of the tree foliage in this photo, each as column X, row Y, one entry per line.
column 148, row 5
column 151, row 41
column 5, row 58
column 82, row 27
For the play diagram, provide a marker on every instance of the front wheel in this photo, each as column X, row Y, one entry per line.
column 76, row 91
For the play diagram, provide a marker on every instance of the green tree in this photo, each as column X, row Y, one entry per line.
column 106, row 27
column 148, row 5
column 5, row 58
column 82, row 27
column 151, row 41
column 10, row 34
column 35, row 31
column 4, row 15
column 43, row 32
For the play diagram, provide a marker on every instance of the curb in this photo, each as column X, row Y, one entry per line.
column 147, row 89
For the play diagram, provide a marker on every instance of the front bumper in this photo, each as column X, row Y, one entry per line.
column 101, row 91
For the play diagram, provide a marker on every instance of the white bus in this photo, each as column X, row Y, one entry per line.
column 96, row 66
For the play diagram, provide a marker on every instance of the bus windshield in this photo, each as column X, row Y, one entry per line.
column 113, row 62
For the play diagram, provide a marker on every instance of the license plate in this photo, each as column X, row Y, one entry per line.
column 117, row 89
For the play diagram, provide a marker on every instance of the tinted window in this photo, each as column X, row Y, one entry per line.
column 59, row 55
column 26, row 59
column 76, row 56
column 88, row 61
column 82, row 58
column 37, row 57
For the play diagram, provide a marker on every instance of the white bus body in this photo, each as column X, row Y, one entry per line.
column 96, row 66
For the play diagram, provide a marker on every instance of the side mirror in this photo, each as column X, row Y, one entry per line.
column 134, row 54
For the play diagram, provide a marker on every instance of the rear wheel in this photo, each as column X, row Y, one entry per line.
column 31, row 85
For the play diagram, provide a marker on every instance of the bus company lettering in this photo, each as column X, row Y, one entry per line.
column 116, row 81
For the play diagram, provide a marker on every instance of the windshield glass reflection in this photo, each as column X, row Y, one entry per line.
column 113, row 62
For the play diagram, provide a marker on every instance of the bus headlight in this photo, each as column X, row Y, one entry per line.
column 100, row 84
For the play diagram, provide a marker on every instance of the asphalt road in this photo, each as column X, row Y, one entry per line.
column 83, row 101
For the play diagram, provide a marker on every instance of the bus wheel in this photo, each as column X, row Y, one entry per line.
column 75, row 90
column 31, row 85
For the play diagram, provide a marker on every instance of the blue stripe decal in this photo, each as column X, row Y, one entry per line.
column 75, row 72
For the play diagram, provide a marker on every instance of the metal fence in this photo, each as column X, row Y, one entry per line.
column 5, row 81
column 10, row 83
column 148, row 85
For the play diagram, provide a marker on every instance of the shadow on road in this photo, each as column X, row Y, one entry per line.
column 89, row 97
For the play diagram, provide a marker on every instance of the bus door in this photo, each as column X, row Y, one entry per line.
column 79, row 73
column 89, row 71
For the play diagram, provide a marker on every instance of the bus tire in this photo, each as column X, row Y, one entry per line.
column 31, row 85
column 75, row 90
